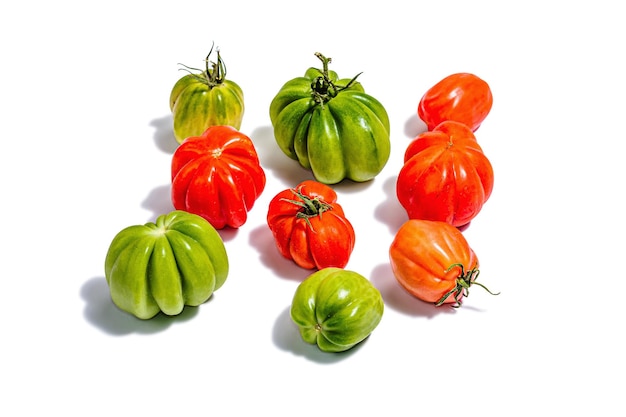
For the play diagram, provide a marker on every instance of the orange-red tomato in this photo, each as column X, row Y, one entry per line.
column 310, row 227
column 445, row 176
column 462, row 97
column 433, row 261
column 217, row 176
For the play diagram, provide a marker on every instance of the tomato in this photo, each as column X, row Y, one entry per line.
column 461, row 97
column 217, row 176
column 336, row 309
column 161, row 267
column 310, row 227
column 445, row 176
column 331, row 126
column 198, row 101
column 433, row 261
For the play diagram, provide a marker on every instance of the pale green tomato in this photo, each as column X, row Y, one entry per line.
column 201, row 100
column 336, row 309
column 178, row 260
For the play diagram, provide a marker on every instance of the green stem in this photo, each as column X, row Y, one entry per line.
column 214, row 73
column 323, row 87
column 463, row 283
column 310, row 207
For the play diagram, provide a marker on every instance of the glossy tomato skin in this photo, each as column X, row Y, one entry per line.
column 425, row 258
column 336, row 309
column 217, row 176
column 198, row 101
column 331, row 126
column 461, row 97
column 313, row 240
column 178, row 260
column 445, row 176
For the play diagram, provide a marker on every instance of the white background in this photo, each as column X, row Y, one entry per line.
column 86, row 146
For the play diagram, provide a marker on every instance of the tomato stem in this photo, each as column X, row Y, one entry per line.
column 323, row 87
column 213, row 75
column 310, row 207
column 463, row 283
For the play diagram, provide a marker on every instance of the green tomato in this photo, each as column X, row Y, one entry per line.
column 336, row 309
column 178, row 260
column 199, row 101
column 331, row 126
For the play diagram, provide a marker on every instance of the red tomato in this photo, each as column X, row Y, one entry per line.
column 433, row 262
column 310, row 227
column 217, row 176
column 445, row 176
column 462, row 97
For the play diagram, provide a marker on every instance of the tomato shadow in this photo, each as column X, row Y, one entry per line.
column 286, row 337
column 348, row 186
column 390, row 212
column 164, row 138
column 228, row 233
column 288, row 171
column 262, row 240
column 414, row 126
column 103, row 314
column 158, row 201
column 399, row 299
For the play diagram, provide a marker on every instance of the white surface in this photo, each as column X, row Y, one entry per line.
column 86, row 147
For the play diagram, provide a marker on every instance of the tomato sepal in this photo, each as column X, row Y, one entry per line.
column 463, row 283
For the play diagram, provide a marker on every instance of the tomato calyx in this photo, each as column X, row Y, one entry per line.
column 324, row 89
column 463, row 283
column 212, row 75
column 310, row 207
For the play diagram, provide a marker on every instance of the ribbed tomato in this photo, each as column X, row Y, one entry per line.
column 310, row 227
column 433, row 261
column 217, row 176
column 445, row 176
column 178, row 260
column 208, row 98
column 331, row 126
column 462, row 97
column 336, row 309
